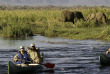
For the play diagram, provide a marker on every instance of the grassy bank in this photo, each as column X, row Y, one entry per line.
column 18, row 23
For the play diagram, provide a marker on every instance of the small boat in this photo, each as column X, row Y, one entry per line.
column 22, row 68
column 104, row 60
column 26, row 68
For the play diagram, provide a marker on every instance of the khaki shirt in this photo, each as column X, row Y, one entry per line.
column 33, row 56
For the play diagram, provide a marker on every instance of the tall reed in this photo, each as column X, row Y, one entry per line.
column 18, row 23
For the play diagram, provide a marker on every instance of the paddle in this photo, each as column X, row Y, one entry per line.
column 49, row 65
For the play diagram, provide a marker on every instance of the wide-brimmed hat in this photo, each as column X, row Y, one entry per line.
column 21, row 47
column 32, row 44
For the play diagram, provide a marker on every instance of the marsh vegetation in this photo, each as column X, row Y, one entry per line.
column 27, row 22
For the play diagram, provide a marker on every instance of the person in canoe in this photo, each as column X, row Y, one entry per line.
column 21, row 57
column 34, row 54
column 108, row 51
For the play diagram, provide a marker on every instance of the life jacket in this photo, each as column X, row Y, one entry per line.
column 22, row 57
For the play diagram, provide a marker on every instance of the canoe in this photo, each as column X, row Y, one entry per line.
column 22, row 68
column 104, row 60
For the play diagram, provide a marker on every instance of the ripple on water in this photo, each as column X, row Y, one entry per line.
column 69, row 56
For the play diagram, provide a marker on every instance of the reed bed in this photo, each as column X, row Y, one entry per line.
column 18, row 23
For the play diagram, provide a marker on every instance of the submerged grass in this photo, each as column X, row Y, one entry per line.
column 18, row 23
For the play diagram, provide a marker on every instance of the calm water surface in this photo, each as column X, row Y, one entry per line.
column 69, row 56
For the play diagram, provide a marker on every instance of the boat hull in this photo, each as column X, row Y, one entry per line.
column 23, row 68
column 104, row 60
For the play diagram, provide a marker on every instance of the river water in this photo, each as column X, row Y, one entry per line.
column 69, row 56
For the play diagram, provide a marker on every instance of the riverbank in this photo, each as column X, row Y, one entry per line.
column 18, row 23
column 99, row 33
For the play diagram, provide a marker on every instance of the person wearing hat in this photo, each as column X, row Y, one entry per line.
column 108, row 51
column 21, row 57
column 34, row 54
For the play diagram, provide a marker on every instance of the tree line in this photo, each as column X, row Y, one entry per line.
column 25, row 7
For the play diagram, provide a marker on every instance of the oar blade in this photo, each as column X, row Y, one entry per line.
column 49, row 65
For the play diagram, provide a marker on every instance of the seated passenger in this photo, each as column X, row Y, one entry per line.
column 107, row 52
column 34, row 54
column 21, row 57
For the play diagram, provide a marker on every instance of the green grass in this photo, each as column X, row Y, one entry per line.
column 18, row 23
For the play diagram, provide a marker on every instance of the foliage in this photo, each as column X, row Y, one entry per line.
column 21, row 22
